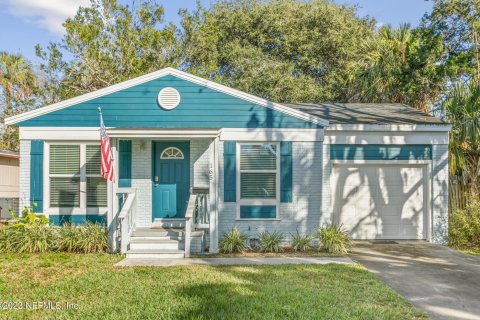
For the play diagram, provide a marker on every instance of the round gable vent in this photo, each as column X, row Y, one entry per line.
column 168, row 98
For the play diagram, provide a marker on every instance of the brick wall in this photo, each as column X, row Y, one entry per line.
column 303, row 214
column 440, row 193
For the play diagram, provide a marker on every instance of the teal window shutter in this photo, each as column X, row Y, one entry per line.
column 286, row 171
column 125, row 164
column 230, row 171
column 36, row 175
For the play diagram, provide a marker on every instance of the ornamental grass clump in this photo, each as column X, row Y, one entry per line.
column 334, row 239
column 27, row 238
column 233, row 242
column 88, row 238
column 270, row 241
column 301, row 242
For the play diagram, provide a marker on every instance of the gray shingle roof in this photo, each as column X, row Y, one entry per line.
column 366, row 113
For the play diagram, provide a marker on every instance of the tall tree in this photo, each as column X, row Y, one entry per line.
column 399, row 65
column 108, row 43
column 458, row 22
column 18, row 89
column 283, row 50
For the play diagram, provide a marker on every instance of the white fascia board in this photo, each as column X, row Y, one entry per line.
column 272, row 134
column 92, row 133
column 386, row 137
column 389, row 127
column 157, row 74
column 162, row 133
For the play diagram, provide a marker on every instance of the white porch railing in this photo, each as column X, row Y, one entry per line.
column 188, row 223
column 201, row 216
column 127, row 216
column 196, row 216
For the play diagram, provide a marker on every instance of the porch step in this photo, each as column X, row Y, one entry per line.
column 141, row 243
column 155, row 254
column 164, row 233
column 169, row 223
column 158, row 233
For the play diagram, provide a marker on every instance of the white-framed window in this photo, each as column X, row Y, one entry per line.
column 258, row 185
column 73, row 176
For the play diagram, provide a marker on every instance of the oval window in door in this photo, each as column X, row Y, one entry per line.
column 171, row 153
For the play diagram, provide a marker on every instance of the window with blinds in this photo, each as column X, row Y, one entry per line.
column 258, row 171
column 64, row 167
column 64, row 192
column 65, row 159
column 67, row 179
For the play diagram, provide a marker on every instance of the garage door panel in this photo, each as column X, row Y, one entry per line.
column 380, row 201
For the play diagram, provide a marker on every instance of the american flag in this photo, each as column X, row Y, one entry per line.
column 106, row 163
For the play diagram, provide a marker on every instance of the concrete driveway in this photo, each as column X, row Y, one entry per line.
column 438, row 280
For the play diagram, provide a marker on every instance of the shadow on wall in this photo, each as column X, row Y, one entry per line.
column 382, row 202
column 303, row 213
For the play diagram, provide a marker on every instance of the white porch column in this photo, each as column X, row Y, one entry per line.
column 112, row 200
column 213, row 168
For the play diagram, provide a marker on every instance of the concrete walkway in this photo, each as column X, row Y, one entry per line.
column 440, row 281
column 132, row 262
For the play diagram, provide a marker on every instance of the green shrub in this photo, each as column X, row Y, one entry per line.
column 301, row 242
column 334, row 239
column 88, row 238
column 270, row 241
column 233, row 241
column 27, row 238
column 464, row 226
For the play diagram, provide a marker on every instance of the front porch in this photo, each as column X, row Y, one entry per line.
column 164, row 202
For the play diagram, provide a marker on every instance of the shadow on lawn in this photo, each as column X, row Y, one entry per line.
column 329, row 291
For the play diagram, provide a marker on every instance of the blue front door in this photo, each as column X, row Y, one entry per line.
column 171, row 179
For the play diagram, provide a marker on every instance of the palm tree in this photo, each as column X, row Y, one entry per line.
column 17, row 81
column 18, row 84
column 462, row 109
column 399, row 66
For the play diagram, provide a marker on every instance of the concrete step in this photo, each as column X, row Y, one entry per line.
column 155, row 254
column 156, row 244
column 169, row 223
column 158, row 233
column 174, row 234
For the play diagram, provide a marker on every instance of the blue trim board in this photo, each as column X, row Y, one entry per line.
column 286, row 171
column 258, row 212
column 200, row 107
column 125, row 164
column 229, row 171
column 36, row 176
column 380, row 152
column 59, row 219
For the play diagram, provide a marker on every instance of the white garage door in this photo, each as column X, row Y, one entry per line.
column 380, row 201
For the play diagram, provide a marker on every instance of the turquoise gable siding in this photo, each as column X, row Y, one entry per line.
column 380, row 152
column 200, row 107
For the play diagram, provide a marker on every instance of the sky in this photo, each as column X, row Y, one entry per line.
column 25, row 23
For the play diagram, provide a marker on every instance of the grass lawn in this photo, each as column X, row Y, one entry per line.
column 102, row 291
column 473, row 251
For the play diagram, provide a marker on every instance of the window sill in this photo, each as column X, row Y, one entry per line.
column 258, row 219
column 76, row 211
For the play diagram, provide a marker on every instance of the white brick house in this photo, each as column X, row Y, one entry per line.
column 194, row 158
